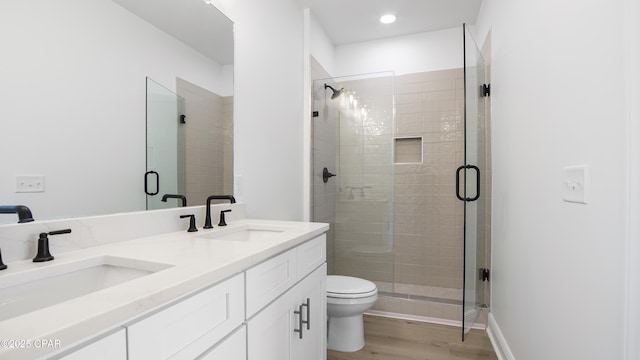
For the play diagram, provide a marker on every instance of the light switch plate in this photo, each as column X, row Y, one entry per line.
column 29, row 183
column 574, row 184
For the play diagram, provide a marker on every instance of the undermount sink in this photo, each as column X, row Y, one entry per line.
column 247, row 233
column 34, row 289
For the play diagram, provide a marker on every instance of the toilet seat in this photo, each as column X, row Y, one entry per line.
column 347, row 287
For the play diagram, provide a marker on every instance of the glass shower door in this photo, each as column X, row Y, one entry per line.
column 353, row 174
column 165, row 154
column 473, row 175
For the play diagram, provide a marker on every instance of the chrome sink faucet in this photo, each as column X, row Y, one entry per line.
column 207, row 218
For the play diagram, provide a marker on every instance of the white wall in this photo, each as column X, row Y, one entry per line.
column 632, row 30
column 73, row 102
column 436, row 50
column 558, row 99
column 322, row 48
column 268, row 106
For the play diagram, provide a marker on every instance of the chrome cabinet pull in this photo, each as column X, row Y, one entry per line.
column 300, row 321
column 308, row 306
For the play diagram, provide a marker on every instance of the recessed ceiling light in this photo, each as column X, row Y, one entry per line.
column 388, row 19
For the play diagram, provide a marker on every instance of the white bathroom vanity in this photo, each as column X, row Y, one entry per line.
column 254, row 289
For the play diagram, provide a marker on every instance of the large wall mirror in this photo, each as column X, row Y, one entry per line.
column 75, row 89
column 189, row 145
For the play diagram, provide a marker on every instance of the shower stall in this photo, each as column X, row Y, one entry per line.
column 407, row 205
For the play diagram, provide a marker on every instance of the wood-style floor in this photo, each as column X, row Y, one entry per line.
column 394, row 339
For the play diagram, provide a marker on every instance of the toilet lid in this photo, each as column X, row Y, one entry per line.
column 349, row 287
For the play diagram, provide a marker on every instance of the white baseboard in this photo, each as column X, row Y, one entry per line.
column 498, row 341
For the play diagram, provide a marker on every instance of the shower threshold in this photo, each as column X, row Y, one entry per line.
column 420, row 298
column 420, row 292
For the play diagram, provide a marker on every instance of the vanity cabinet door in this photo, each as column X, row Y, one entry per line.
column 270, row 332
column 311, row 293
column 274, row 333
column 111, row 347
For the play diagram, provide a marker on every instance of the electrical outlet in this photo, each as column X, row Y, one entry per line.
column 574, row 181
column 29, row 183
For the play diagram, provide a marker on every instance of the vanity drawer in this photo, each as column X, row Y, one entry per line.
column 188, row 328
column 267, row 280
column 111, row 347
column 311, row 254
column 270, row 279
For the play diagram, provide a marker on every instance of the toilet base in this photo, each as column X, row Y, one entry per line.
column 346, row 333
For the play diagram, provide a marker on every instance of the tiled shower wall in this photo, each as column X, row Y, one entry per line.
column 428, row 216
column 208, row 134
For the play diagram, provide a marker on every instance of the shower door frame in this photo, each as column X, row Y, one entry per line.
column 474, row 263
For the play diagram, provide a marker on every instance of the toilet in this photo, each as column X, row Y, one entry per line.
column 347, row 299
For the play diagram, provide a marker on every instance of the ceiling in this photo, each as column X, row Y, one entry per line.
column 350, row 21
column 193, row 22
column 204, row 28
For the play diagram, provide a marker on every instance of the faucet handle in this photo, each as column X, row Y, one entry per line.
column 192, row 222
column 58, row 232
column 43, row 245
column 222, row 219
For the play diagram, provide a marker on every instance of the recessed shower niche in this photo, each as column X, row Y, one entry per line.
column 408, row 150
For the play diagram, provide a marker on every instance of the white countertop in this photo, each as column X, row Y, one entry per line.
column 195, row 263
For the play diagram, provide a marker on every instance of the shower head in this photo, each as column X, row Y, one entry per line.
column 336, row 93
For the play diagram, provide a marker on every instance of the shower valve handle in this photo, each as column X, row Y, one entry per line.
column 326, row 175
